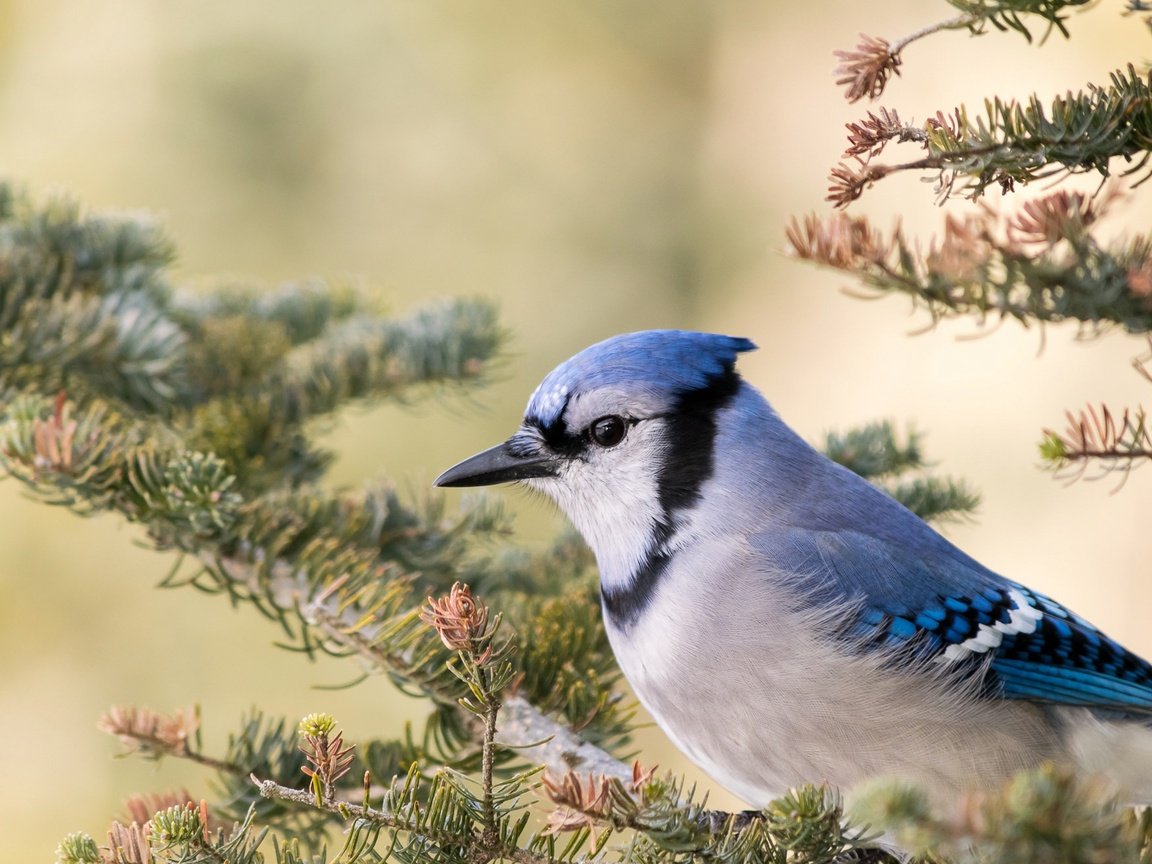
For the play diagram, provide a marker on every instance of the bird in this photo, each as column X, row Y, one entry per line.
column 784, row 620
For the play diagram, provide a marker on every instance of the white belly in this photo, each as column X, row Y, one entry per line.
column 745, row 688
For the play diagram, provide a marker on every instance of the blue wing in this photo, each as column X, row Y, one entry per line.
column 1036, row 648
column 925, row 597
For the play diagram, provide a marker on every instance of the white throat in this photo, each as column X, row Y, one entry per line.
column 621, row 527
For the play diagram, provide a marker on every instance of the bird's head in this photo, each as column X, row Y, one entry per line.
column 621, row 436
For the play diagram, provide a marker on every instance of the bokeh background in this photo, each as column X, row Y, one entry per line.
column 596, row 167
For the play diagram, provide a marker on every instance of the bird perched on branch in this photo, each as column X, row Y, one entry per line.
column 783, row 620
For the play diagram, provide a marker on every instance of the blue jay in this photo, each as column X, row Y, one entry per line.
column 783, row 620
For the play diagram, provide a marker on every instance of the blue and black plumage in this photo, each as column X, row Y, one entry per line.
column 784, row 620
column 1064, row 660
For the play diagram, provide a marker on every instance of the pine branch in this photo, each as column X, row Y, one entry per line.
column 523, row 726
column 876, row 454
column 87, row 307
column 865, row 70
column 355, row 611
column 157, row 735
column 339, row 573
column 1096, row 437
column 874, row 451
column 468, row 846
column 1047, row 814
column 935, row 499
column 481, row 664
column 1007, row 15
column 354, row 359
column 464, row 626
column 268, row 747
column 1011, row 143
column 280, row 554
column 266, row 750
column 806, row 824
column 328, row 758
column 1042, row 264
column 180, row 832
column 82, row 303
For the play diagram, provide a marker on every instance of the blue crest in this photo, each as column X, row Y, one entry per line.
column 667, row 362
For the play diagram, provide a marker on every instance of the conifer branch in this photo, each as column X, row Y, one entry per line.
column 876, row 453
column 463, row 625
column 328, row 758
column 87, row 307
column 806, row 824
column 82, row 302
column 523, row 726
column 158, row 735
column 338, row 572
column 1097, row 437
column 865, row 70
column 175, row 828
column 1048, row 813
column 1011, row 143
column 552, row 745
column 468, row 845
column 1042, row 264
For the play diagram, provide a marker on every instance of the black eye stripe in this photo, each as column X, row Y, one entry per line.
column 688, row 463
column 569, row 444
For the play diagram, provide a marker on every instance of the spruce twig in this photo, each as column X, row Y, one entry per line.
column 1097, row 436
column 1011, row 143
column 477, row 851
column 463, row 625
column 1042, row 264
column 877, row 454
column 157, row 735
column 328, row 758
column 522, row 725
column 865, row 70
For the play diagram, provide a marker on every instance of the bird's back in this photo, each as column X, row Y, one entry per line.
column 842, row 638
column 784, row 620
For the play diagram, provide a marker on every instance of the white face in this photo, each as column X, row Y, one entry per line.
column 611, row 493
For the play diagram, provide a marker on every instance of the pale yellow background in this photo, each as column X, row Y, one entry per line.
column 596, row 167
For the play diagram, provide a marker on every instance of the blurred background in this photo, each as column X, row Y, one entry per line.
column 596, row 167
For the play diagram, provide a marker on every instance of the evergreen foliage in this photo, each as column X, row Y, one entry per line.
column 1043, row 262
column 189, row 414
column 875, row 453
column 1011, row 143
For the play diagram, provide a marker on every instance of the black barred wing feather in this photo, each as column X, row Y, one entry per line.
column 916, row 596
column 1033, row 647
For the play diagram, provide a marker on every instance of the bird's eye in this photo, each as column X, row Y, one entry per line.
column 608, row 431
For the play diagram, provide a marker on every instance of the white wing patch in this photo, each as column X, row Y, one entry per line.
column 1022, row 619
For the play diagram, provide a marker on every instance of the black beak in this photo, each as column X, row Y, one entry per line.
column 500, row 464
